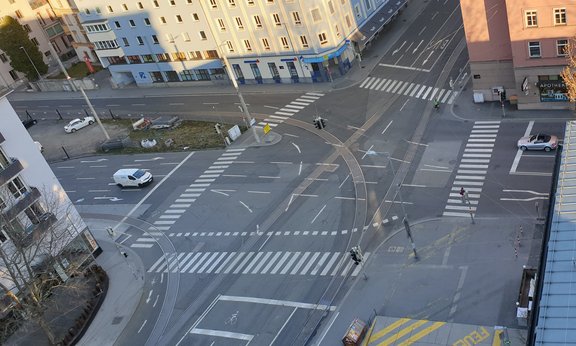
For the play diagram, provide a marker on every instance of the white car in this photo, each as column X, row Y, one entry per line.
column 78, row 123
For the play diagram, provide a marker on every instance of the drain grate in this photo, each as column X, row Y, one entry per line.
column 117, row 320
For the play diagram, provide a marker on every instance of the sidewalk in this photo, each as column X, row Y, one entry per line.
column 126, row 286
column 453, row 277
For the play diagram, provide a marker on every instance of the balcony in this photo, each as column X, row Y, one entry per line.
column 29, row 197
column 26, row 237
column 11, row 169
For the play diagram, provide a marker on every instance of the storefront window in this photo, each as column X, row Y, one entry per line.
column 552, row 89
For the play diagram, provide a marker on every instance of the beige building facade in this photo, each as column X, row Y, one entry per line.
column 519, row 46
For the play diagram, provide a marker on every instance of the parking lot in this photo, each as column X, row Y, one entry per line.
column 59, row 145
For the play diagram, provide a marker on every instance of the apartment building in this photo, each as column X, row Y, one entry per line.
column 43, row 27
column 35, row 212
column 519, row 46
column 265, row 41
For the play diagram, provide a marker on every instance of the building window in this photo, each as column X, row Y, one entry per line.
column 534, row 49
column 16, row 187
column 202, row 74
column 276, row 18
column 348, row 23
column 195, row 16
column 202, row 35
column 337, row 30
column 559, row 16
column 163, row 57
column 125, row 41
column 140, row 40
column 13, row 74
column 170, row 38
column 195, row 55
column 552, row 88
column 230, row 46
column 266, row 44
column 2, row 204
column 211, row 54
column 213, row 4
column 147, row 58
column 35, row 41
column 179, row 18
column 86, row 10
column 316, row 15
column 247, row 45
column 189, row 2
column 155, row 39
column 531, row 19
column 179, row 56
column 239, row 23
column 40, row 19
column 367, row 4
column 19, row 14
column 357, row 11
column 110, row 9
column 27, row 28
column 132, row 24
column 3, row 57
column 3, row 235
column 284, row 41
column 232, row 3
column 322, row 38
column 331, row 6
column 162, row 20
column 561, row 47
column 257, row 21
column 221, row 24
column 125, row 7
column 147, row 21
column 155, row 3
column 270, row 1
column 117, row 24
column 304, row 41
column 187, row 75
column 134, row 59
column 250, row 2
column 156, row 76
column 172, row 3
column 140, row 6
column 296, row 17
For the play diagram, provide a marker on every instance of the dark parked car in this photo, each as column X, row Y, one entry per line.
column 29, row 122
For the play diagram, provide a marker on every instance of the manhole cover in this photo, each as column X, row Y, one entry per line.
column 117, row 320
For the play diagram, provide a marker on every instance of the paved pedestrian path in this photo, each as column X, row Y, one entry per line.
column 271, row 263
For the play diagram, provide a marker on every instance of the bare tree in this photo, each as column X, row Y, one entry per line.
column 569, row 72
column 37, row 256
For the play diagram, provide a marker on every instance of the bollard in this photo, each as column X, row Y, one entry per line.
column 516, row 252
column 59, row 115
column 65, row 152
column 111, row 114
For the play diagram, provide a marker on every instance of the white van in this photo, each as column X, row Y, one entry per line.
column 132, row 177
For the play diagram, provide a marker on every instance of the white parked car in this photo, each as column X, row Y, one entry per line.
column 78, row 123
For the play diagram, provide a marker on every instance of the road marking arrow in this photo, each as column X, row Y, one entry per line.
column 426, row 60
column 418, row 46
column 152, row 159
column 398, row 49
column 149, row 295
column 92, row 161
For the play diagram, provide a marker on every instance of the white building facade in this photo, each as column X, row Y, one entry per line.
column 35, row 212
column 181, row 41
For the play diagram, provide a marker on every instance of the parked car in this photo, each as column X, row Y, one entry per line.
column 540, row 141
column 29, row 122
column 132, row 177
column 78, row 123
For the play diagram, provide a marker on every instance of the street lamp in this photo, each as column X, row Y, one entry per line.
column 399, row 192
column 31, row 62
column 235, row 84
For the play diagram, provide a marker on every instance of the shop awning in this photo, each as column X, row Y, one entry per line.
column 370, row 29
column 324, row 57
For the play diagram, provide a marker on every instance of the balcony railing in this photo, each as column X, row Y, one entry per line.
column 27, row 200
column 14, row 166
column 27, row 236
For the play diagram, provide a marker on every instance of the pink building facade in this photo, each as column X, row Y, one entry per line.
column 519, row 46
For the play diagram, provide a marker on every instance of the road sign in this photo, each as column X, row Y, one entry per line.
column 266, row 128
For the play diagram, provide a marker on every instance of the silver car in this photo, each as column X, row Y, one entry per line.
column 540, row 141
column 77, row 124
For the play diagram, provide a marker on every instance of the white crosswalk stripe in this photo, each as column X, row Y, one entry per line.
column 262, row 263
column 472, row 169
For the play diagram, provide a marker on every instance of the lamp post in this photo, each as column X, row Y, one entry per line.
column 235, row 84
column 405, row 219
column 31, row 62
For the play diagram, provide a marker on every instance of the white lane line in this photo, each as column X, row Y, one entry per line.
column 528, row 191
column 222, row 334
column 519, row 152
column 283, row 113
column 387, row 126
column 451, row 213
column 321, row 210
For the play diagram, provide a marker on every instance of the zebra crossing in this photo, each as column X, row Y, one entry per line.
column 290, row 109
column 252, row 263
column 472, row 169
column 244, row 234
column 420, row 91
column 186, row 198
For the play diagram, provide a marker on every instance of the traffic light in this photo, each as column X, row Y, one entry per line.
column 503, row 96
column 317, row 123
